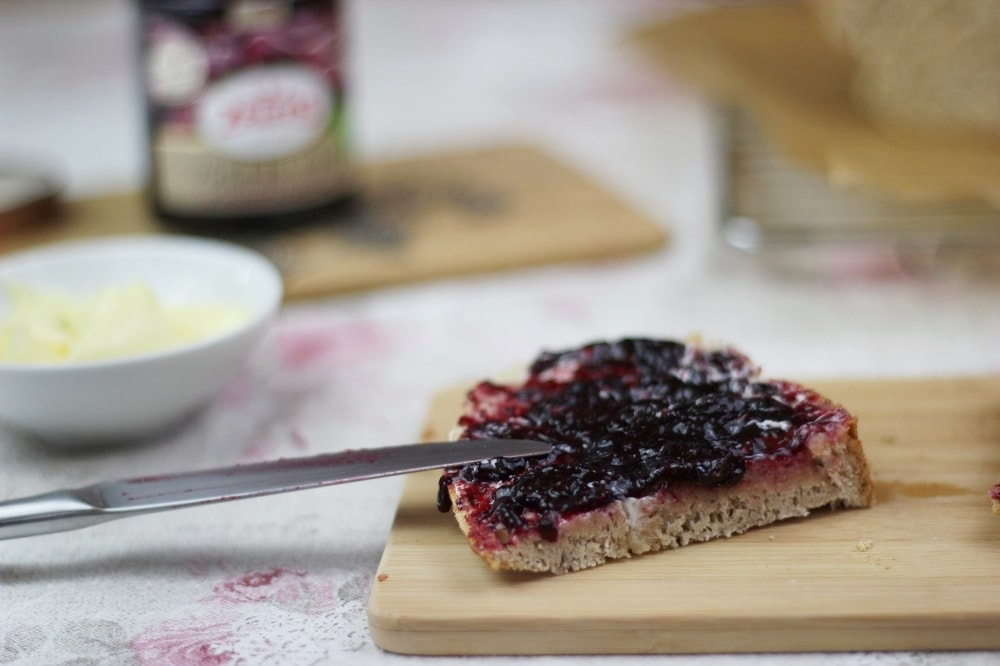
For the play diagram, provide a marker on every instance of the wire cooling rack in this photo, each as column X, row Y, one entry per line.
column 772, row 205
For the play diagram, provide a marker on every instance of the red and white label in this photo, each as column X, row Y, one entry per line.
column 264, row 113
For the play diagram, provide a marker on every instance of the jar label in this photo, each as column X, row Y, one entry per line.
column 264, row 114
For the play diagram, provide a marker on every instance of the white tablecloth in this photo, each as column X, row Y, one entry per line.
column 285, row 579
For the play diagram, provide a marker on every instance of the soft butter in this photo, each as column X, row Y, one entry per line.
column 43, row 326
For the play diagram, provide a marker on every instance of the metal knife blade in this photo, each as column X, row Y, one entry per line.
column 71, row 509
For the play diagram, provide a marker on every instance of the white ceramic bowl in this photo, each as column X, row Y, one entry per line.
column 112, row 401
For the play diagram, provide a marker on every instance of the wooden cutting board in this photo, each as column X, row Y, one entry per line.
column 920, row 570
column 421, row 218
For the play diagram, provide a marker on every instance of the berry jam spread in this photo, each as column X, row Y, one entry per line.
column 626, row 419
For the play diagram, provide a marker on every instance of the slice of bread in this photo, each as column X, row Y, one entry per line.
column 788, row 452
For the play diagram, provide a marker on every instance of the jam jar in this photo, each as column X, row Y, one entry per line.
column 246, row 111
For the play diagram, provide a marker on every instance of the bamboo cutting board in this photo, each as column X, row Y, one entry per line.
column 918, row 570
column 421, row 218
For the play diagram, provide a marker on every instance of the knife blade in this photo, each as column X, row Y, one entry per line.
column 71, row 509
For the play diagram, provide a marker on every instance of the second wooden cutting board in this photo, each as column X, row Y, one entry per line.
column 918, row 570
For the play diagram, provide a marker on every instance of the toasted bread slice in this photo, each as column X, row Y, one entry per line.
column 656, row 444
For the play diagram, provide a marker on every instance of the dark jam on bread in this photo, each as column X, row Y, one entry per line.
column 627, row 419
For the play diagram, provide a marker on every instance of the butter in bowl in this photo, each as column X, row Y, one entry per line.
column 108, row 341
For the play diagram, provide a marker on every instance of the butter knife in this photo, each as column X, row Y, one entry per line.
column 64, row 510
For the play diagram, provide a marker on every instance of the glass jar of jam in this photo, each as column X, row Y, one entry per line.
column 246, row 109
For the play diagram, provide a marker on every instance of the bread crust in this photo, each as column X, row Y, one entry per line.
column 833, row 472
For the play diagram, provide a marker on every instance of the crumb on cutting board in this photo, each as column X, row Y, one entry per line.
column 863, row 545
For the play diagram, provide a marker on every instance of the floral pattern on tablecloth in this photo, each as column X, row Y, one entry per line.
column 261, row 616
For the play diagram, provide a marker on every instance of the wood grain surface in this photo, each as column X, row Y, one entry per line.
column 422, row 218
column 918, row 570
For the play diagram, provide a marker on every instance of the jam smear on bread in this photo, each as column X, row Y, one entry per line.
column 627, row 419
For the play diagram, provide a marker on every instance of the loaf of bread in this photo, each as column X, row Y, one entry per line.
column 655, row 445
column 925, row 64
